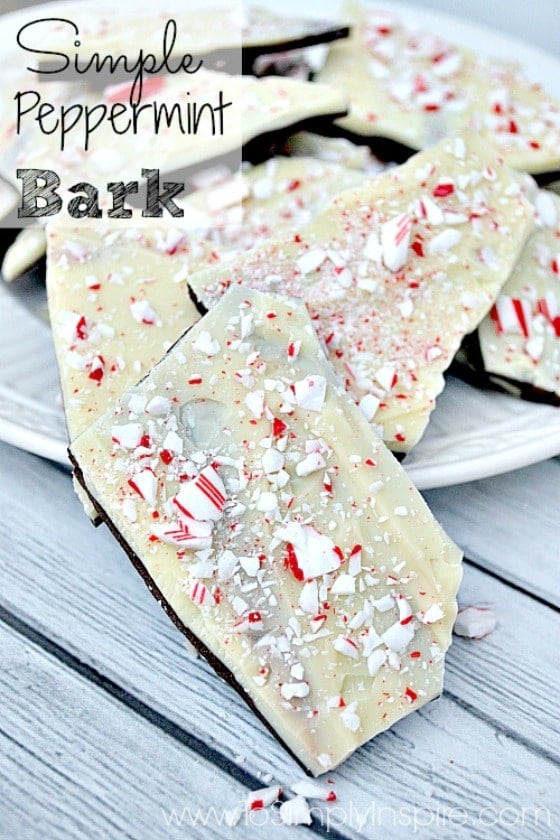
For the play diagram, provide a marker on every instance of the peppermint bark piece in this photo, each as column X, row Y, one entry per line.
column 233, row 212
column 520, row 339
column 103, row 282
column 415, row 88
column 117, row 302
column 394, row 274
column 279, row 534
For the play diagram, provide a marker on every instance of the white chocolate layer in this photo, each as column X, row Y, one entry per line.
column 416, row 88
column 394, row 274
column 282, row 534
column 520, row 339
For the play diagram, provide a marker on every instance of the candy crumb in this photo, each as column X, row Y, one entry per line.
column 475, row 622
column 263, row 798
column 312, row 790
column 295, row 812
column 233, row 815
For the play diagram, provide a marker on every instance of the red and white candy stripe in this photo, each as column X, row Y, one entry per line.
column 549, row 307
column 188, row 533
column 145, row 484
column 346, row 646
column 251, row 622
column 309, row 553
column 201, row 595
column 203, row 497
column 511, row 315
column 395, row 239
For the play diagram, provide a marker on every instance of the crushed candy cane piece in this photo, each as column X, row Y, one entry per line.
column 291, row 690
column 310, row 464
column 188, row 533
column 475, row 622
column 375, row 660
column 395, row 239
column 431, row 615
column 310, row 392
column 158, row 406
column 263, row 798
column 350, row 718
column 201, row 595
column 143, row 313
column 128, row 435
column 311, row 260
column 314, row 553
column 206, row 345
column 145, row 484
column 309, row 597
column 203, row 497
column 346, row 646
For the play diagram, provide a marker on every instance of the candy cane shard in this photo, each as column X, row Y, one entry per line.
column 295, row 593
column 395, row 272
column 415, row 88
column 115, row 308
column 520, row 339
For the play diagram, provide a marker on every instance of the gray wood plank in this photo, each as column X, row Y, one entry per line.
column 75, row 763
column 75, row 585
column 510, row 524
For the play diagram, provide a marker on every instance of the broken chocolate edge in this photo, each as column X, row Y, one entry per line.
column 213, row 660
column 331, row 32
column 473, row 372
column 385, row 148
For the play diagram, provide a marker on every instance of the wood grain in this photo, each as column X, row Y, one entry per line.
column 509, row 524
column 77, row 763
column 499, row 722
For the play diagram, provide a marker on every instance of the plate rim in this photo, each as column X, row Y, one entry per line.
column 540, row 65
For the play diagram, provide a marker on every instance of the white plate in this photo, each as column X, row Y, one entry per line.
column 472, row 434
